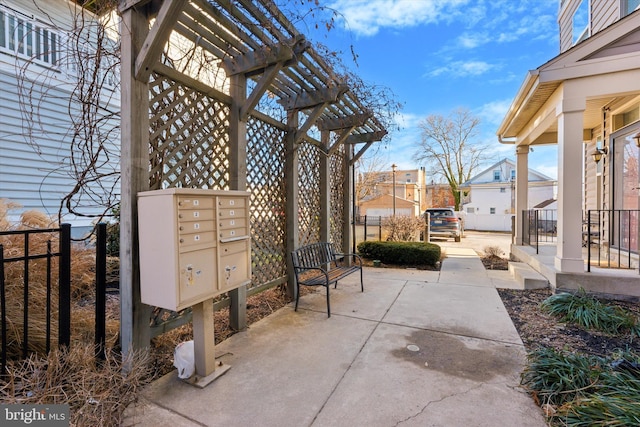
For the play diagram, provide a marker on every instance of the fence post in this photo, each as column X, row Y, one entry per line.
column 365, row 228
column 101, row 304
column 64, row 296
column 380, row 228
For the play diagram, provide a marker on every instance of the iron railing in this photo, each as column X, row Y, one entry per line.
column 539, row 225
column 611, row 238
column 26, row 255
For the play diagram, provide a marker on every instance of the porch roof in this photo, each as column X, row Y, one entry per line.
column 607, row 55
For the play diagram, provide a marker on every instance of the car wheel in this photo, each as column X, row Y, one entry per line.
column 457, row 239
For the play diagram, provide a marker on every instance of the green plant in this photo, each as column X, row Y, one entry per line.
column 586, row 390
column 554, row 377
column 401, row 253
column 588, row 312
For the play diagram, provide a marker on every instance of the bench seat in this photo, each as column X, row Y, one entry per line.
column 318, row 264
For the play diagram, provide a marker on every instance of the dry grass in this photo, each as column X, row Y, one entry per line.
column 97, row 392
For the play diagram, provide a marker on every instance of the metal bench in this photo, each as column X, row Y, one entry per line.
column 318, row 264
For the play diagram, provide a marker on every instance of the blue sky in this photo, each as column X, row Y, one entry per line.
column 439, row 55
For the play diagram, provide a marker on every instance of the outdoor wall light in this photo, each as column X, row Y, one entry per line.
column 637, row 139
column 598, row 153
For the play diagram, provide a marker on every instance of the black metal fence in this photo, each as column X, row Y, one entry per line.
column 371, row 227
column 611, row 238
column 539, row 225
column 25, row 255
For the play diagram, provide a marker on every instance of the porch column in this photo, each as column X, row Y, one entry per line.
column 570, row 113
column 522, row 190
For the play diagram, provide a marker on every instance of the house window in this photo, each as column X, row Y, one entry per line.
column 503, row 190
column 28, row 39
column 471, row 210
column 492, row 211
column 580, row 22
column 629, row 6
column 513, row 174
column 496, row 175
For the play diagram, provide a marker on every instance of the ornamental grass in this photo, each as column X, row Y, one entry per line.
column 590, row 313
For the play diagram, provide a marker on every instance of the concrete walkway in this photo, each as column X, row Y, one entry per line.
column 417, row 348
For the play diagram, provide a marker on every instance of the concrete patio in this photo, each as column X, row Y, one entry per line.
column 417, row 348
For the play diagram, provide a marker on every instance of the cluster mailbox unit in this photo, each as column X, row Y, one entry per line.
column 194, row 245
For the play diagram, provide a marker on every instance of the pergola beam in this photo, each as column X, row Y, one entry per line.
column 255, row 62
column 366, row 137
column 307, row 100
column 344, row 122
column 157, row 37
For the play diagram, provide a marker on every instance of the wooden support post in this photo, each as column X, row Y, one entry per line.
column 238, row 181
column 134, row 169
column 347, row 236
column 325, row 189
column 291, row 188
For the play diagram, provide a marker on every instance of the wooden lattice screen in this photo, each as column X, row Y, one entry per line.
column 222, row 76
column 337, row 169
column 265, row 176
column 189, row 138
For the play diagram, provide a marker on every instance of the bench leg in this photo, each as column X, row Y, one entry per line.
column 328, row 303
column 297, row 295
column 361, row 282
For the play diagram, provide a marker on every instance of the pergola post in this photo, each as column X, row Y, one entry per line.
column 291, row 195
column 347, row 236
column 238, row 181
column 325, row 189
column 134, row 169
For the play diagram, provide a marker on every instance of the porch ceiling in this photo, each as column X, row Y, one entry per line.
column 612, row 50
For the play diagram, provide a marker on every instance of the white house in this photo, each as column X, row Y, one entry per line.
column 59, row 121
column 490, row 196
column 585, row 100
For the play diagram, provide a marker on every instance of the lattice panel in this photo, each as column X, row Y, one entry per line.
column 265, row 180
column 309, row 193
column 189, row 140
column 336, row 185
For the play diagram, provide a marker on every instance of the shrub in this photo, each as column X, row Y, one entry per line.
column 403, row 228
column 401, row 253
column 590, row 313
column 492, row 251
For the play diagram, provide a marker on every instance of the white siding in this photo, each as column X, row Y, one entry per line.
column 604, row 13
column 36, row 130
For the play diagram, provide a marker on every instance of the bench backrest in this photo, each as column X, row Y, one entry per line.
column 313, row 255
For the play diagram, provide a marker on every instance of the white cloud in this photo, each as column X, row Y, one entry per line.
column 463, row 69
column 366, row 17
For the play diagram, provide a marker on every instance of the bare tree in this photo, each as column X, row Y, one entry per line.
column 369, row 170
column 447, row 148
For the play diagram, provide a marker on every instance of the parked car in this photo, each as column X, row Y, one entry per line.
column 444, row 222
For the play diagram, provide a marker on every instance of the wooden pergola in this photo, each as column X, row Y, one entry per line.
column 199, row 80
